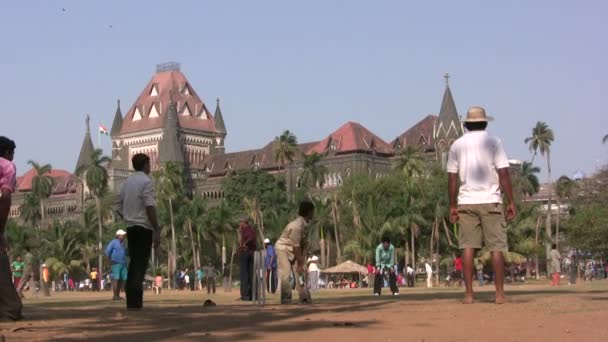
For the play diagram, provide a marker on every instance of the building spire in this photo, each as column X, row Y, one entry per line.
column 447, row 79
column 220, row 126
column 87, row 149
column 448, row 127
column 117, row 123
column 170, row 148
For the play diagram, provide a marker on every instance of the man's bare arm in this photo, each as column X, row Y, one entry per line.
column 506, row 187
column 453, row 193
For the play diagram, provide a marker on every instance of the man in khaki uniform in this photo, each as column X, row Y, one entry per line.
column 479, row 161
column 291, row 249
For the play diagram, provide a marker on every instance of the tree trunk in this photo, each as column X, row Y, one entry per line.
column 169, row 270
column 42, row 214
column 557, row 219
column 447, row 233
column 328, row 252
column 437, row 230
column 230, row 267
column 173, row 245
column 413, row 247
column 407, row 251
column 322, row 248
column 194, row 263
column 538, row 222
column 334, row 214
column 100, row 244
column 431, row 246
column 548, row 223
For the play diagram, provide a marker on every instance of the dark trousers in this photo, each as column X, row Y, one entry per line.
column 210, row 285
column 379, row 282
column 246, row 268
column 140, row 247
column 10, row 303
column 410, row 280
column 271, row 280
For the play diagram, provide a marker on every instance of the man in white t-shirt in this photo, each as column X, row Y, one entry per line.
column 479, row 161
column 313, row 273
column 429, row 274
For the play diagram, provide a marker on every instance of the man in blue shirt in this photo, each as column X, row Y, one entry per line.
column 385, row 262
column 271, row 267
column 116, row 253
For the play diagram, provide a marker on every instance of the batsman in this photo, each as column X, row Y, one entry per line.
column 290, row 249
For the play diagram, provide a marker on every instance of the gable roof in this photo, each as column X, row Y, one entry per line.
column 352, row 137
column 63, row 181
column 169, row 85
column 421, row 135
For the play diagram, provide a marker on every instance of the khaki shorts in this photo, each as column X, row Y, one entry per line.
column 482, row 221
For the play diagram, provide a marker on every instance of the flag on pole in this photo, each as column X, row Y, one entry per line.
column 103, row 130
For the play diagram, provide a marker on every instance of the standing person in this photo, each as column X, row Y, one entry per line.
column 290, row 253
column 10, row 303
column 95, row 279
column 116, row 253
column 136, row 206
column 479, row 268
column 458, row 269
column 313, row 273
column 17, row 268
column 555, row 260
column 28, row 273
column 411, row 275
column 199, row 279
column 226, row 278
column 186, row 279
column 45, row 279
column 429, row 274
column 158, row 284
column 247, row 248
column 479, row 161
column 385, row 262
column 210, row 278
column 271, row 267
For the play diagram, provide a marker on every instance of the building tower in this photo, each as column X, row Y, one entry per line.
column 448, row 126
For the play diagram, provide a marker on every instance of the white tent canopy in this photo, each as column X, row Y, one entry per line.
column 346, row 267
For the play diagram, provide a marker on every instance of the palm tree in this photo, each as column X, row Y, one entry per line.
column 96, row 178
column 563, row 190
column 410, row 162
column 541, row 139
column 42, row 186
column 29, row 211
column 194, row 214
column 527, row 179
column 314, row 173
column 286, row 146
column 169, row 186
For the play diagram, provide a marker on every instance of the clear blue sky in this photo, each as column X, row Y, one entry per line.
column 309, row 66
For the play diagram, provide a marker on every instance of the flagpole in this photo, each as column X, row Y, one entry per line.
column 98, row 137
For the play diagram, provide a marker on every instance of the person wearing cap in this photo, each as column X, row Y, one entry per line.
column 136, row 206
column 246, row 249
column 478, row 177
column 290, row 249
column 116, row 253
column 271, row 267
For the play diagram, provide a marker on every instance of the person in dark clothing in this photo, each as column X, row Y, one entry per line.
column 209, row 271
column 136, row 205
column 247, row 248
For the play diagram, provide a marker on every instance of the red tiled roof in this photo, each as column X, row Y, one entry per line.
column 352, row 137
column 169, row 85
column 64, row 181
column 420, row 135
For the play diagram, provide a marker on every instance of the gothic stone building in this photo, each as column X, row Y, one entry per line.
column 171, row 123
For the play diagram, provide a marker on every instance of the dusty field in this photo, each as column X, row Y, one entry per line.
column 535, row 313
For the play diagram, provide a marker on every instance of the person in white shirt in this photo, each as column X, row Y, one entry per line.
column 410, row 275
column 136, row 205
column 429, row 274
column 313, row 273
column 480, row 163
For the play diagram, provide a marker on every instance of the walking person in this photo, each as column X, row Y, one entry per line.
column 290, row 253
column 479, row 269
column 95, row 279
column 116, row 253
column 429, row 274
column 385, row 262
column 270, row 262
column 480, row 163
column 28, row 274
column 10, row 303
column 17, row 268
column 410, row 275
column 247, row 248
column 136, row 206
column 210, row 278
column 555, row 262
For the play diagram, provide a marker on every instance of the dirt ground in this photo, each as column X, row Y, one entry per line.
column 534, row 313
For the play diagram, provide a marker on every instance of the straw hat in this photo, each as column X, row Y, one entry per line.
column 121, row 232
column 477, row 114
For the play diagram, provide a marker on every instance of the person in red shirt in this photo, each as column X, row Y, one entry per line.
column 247, row 247
column 458, row 269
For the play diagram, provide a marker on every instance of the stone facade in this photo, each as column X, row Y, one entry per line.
column 171, row 123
